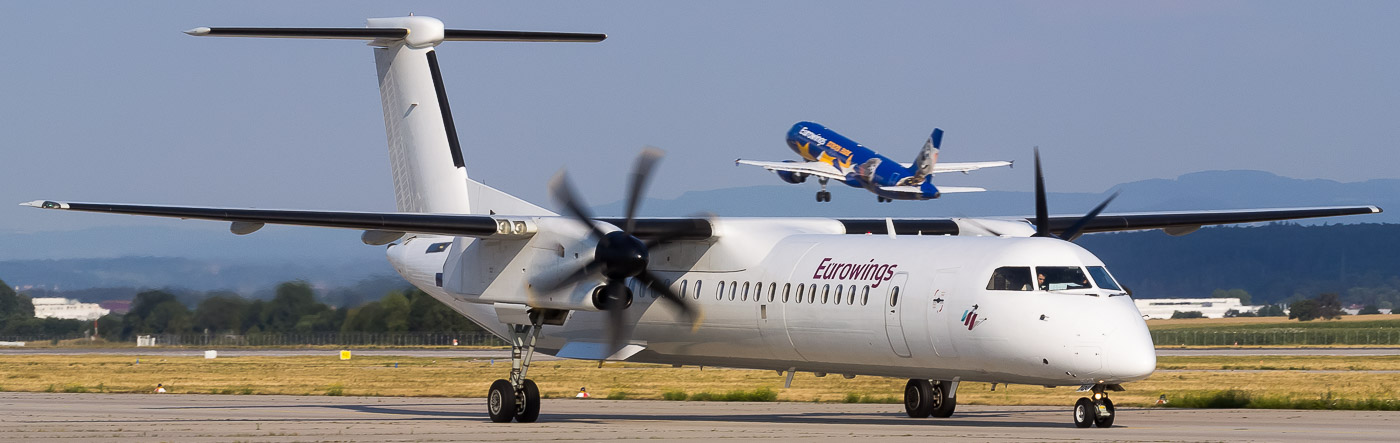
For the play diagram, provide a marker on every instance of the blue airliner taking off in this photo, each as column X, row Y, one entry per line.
column 830, row 156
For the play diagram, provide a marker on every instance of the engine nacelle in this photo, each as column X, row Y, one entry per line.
column 792, row 177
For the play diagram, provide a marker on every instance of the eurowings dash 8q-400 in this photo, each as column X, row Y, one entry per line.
column 938, row 301
column 831, row 156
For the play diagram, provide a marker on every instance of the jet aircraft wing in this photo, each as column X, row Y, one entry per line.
column 963, row 167
column 820, row 169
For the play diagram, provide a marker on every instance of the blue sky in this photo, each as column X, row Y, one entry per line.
column 108, row 101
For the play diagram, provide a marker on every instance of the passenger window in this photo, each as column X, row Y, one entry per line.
column 838, row 294
column 720, row 295
column 683, row 294
column 894, row 296
column 800, row 289
column 865, row 295
column 851, row 296
column 1011, row 278
column 733, row 290
column 1058, row 278
column 787, row 291
column 655, row 294
column 697, row 289
column 745, row 296
column 772, row 290
column 812, row 289
column 826, row 293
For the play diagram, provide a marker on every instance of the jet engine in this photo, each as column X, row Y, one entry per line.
column 792, row 177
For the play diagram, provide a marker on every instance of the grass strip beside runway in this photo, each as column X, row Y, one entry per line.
column 1256, row 381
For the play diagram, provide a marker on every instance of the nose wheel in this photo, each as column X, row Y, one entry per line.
column 1095, row 411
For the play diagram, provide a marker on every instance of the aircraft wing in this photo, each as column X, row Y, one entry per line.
column 820, row 169
column 962, row 167
column 384, row 224
column 915, row 190
column 1173, row 222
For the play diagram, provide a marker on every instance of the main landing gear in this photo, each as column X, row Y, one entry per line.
column 883, row 200
column 923, row 398
column 823, row 195
column 517, row 398
column 1096, row 410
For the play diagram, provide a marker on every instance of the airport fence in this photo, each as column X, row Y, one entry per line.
column 388, row 339
column 1278, row 337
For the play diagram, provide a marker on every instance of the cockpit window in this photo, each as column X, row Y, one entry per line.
column 1058, row 278
column 1102, row 278
column 1011, row 278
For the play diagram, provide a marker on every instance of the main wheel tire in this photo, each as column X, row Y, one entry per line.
column 1107, row 420
column 918, row 398
column 944, row 404
column 500, row 402
column 1083, row 413
column 529, row 411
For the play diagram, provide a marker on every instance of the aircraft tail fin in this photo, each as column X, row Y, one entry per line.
column 928, row 156
column 426, row 158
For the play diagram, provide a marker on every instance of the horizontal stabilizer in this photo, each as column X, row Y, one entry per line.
column 397, row 33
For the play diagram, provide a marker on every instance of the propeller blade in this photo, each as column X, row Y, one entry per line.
column 1073, row 231
column 562, row 191
column 1042, row 214
column 617, row 313
column 690, row 311
column 641, row 172
column 584, row 271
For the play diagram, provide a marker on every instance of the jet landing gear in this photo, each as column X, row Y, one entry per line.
column 823, row 195
column 923, row 398
column 1096, row 410
column 517, row 398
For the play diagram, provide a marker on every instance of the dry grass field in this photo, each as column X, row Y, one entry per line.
column 1268, row 322
column 1279, row 377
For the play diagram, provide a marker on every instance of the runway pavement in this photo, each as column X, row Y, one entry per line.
column 171, row 417
column 505, row 353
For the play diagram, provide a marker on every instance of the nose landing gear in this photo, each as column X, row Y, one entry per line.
column 923, row 398
column 1096, row 410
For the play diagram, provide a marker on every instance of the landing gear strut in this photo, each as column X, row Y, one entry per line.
column 517, row 398
column 1096, row 410
column 822, row 195
column 923, row 398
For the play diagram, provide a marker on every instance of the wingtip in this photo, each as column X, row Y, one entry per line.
column 1376, row 210
column 202, row 30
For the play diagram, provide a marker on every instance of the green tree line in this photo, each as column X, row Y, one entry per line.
column 292, row 308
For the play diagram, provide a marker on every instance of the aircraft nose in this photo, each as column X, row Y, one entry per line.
column 1130, row 355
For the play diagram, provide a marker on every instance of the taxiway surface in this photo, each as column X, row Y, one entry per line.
column 171, row 417
column 505, row 353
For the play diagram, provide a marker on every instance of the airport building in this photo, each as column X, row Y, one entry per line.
column 55, row 307
column 1154, row 308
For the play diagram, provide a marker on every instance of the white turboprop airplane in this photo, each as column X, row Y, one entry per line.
column 936, row 301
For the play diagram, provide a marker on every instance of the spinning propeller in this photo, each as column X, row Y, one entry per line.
column 1042, row 214
column 619, row 254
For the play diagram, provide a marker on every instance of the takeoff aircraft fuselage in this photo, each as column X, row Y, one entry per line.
column 862, row 167
column 939, row 301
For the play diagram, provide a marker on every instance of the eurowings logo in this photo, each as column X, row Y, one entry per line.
column 812, row 136
column 969, row 318
column 826, row 270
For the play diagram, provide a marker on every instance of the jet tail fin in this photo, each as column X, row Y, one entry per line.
column 928, row 156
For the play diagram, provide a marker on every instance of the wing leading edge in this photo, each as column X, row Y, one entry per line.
column 1174, row 222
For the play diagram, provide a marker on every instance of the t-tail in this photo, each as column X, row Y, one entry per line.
column 426, row 158
column 928, row 156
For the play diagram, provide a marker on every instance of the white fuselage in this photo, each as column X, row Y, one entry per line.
column 1067, row 337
